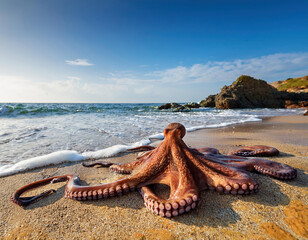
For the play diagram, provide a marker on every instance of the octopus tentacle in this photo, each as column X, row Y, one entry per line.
column 101, row 164
column 24, row 201
column 171, row 207
column 125, row 168
column 141, row 148
column 120, row 168
column 75, row 191
column 232, row 161
column 264, row 166
column 206, row 150
column 256, row 151
column 183, row 195
column 274, row 169
column 222, row 178
column 145, row 154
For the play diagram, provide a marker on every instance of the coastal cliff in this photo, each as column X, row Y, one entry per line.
column 248, row 92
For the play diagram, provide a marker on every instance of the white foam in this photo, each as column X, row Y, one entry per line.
column 224, row 124
column 114, row 150
column 65, row 156
column 41, row 161
column 159, row 136
column 107, row 152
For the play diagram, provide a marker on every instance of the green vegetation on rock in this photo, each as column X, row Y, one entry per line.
column 295, row 83
column 243, row 79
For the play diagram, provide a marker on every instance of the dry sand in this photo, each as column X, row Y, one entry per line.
column 278, row 211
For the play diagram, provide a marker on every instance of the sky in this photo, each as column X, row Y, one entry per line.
column 113, row 51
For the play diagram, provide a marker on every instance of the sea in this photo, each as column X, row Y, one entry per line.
column 40, row 134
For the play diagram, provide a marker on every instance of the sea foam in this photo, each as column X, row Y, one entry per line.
column 65, row 156
column 41, row 161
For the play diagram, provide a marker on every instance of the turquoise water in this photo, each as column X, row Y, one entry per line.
column 31, row 130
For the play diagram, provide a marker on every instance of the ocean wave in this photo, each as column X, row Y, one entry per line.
column 46, row 109
column 13, row 110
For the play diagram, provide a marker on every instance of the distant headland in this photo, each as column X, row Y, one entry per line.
column 248, row 92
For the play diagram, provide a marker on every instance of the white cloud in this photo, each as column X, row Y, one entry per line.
column 20, row 89
column 74, row 78
column 270, row 67
column 180, row 83
column 79, row 62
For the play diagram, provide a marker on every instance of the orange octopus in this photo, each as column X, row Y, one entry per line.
column 187, row 171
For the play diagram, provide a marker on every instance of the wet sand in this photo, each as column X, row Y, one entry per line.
column 278, row 211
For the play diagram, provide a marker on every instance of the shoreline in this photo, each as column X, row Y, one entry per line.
column 35, row 143
column 278, row 211
column 56, row 158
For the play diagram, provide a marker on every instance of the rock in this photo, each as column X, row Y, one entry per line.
column 208, row 102
column 295, row 100
column 294, row 91
column 178, row 107
column 248, row 92
column 169, row 105
column 191, row 105
column 296, row 104
column 295, row 97
column 181, row 109
column 175, row 107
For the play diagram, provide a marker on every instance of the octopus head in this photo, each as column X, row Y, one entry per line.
column 175, row 129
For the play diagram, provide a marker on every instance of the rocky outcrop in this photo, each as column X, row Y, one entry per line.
column 296, row 104
column 208, row 102
column 248, row 92
column 191, row 105
column 169, row 105
column 178, row 107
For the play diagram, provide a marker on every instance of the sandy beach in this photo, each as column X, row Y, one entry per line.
column 278, row 211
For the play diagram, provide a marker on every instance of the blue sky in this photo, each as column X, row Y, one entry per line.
column 145, row 51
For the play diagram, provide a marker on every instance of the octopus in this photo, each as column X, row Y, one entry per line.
column 186, row 171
